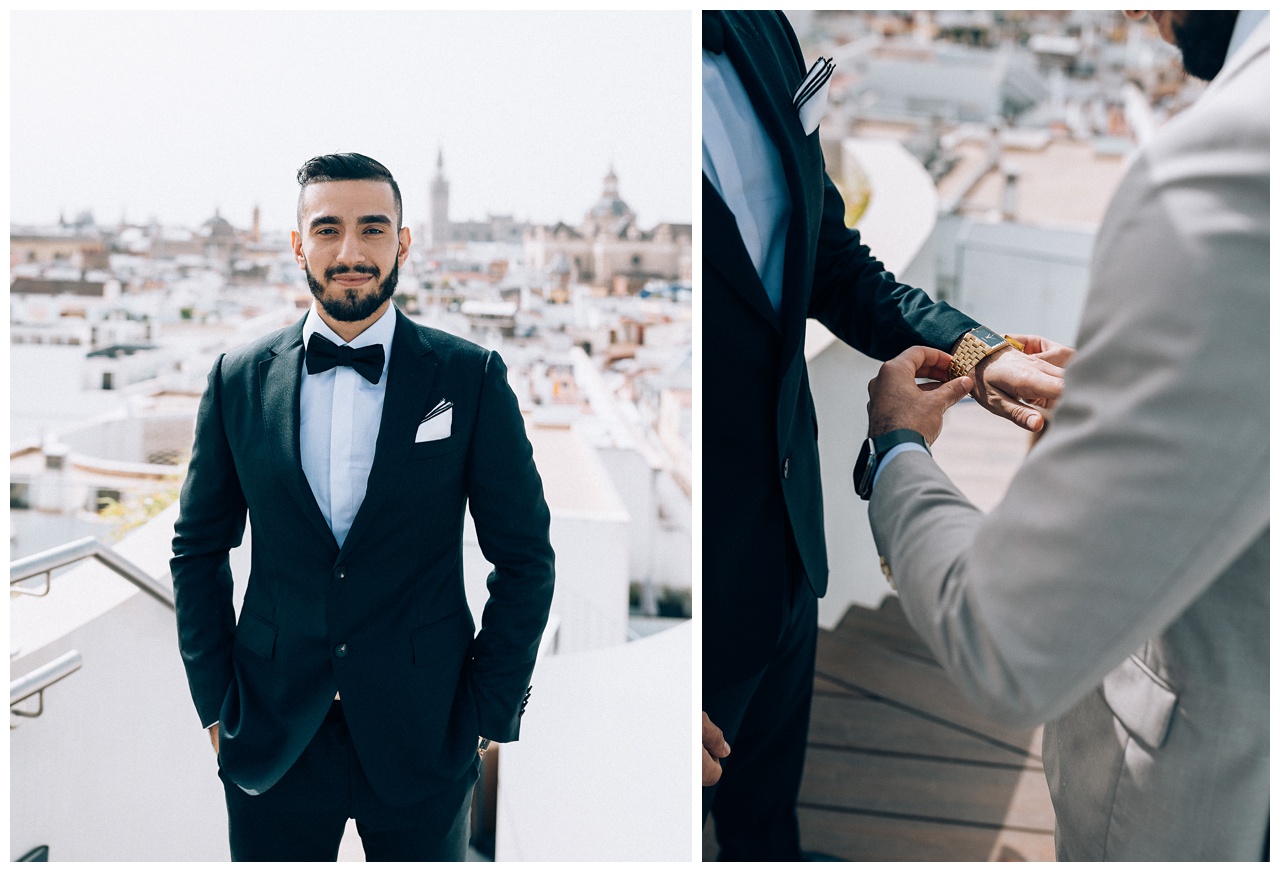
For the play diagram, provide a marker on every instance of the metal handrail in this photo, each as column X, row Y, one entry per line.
column 63, row 555
column 37, row 680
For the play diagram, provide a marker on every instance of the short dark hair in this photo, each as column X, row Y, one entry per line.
column 343, row 167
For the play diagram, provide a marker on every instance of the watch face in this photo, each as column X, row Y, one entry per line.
column 988, row 337
column 863, row 468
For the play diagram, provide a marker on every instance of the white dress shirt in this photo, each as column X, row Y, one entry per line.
column 741, row 161
column 341, row 414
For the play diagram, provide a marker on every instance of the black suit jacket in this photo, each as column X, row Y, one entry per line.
column 384, row 618
column 762, row 497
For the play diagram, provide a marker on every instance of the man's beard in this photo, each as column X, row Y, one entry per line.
column 351, row 306
column 1203, row 38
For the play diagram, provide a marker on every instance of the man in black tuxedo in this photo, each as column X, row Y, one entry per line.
column 351, row 685
column 776, row 252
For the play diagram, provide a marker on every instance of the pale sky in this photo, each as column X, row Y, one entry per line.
column 174, row 114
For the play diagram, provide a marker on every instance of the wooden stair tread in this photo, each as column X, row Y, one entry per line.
column 858, row 837
column 933, row 790
column 858, row 722
column 859, row 623
column 866, row 666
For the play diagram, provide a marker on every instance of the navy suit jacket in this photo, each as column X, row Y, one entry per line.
column 762, row 497
column 384, row 618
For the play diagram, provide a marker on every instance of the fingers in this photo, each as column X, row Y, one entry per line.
column 952, row 392
column 923, row 362
column 713, row 747
column 1030, row 343
column 1026, row 417
column 711, row 770
column 1058, row 355
column 713, row 739
column 1039, row 348
column 916, row 362
column 1020, row 376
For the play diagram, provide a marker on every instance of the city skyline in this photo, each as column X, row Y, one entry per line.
column 175, row 115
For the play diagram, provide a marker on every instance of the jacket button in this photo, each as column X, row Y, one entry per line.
column 786, row 466
column 340, row 573
column 341, row 650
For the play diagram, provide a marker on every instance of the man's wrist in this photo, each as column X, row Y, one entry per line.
column 875, row 450
column 891, row 454
column 974, row 347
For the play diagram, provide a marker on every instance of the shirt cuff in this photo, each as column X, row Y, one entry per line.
column 892, row 453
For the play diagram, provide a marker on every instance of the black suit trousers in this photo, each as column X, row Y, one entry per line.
column 303, row 816
column 765, row 720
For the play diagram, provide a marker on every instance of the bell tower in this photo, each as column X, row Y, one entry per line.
column 440, row 228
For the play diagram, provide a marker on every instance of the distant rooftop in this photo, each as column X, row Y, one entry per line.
column 1065, row 183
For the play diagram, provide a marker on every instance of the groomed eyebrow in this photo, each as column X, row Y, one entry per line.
column 335, row 220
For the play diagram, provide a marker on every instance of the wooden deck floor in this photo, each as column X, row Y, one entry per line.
column 900, row 767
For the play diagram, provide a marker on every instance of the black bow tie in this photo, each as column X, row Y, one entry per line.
column 323, row 355
column 713, row 32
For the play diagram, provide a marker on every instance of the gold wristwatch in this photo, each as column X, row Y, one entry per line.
column 975, row 345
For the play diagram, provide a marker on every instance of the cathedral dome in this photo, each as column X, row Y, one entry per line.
column 610, row 211
column 217, row 229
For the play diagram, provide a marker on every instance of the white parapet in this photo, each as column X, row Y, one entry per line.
column 604, row 767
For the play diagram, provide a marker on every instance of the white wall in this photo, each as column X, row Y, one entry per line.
column 633, row 477
column 604, row 766
column 1024, row 279
column 673, row 539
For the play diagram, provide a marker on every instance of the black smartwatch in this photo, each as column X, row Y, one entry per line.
column 873, row 451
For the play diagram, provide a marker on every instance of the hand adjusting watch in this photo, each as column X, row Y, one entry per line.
column 873, row 451
column 976, row 345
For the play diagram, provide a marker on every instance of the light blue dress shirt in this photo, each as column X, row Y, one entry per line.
column 341, row 414
column 1246, row 21
column 741, row 161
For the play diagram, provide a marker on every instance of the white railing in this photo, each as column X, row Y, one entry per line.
column 35, row 682
column 46, row 562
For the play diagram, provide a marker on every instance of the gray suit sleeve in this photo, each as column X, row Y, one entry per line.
column 1152, row 479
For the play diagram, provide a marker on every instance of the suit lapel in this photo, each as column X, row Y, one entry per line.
column 723, row 251
column 766, row 68
column 411, row 376
column 281, row 379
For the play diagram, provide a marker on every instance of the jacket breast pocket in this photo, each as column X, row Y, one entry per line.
column 436, row 448
column 1142, row 701
column 256, row 635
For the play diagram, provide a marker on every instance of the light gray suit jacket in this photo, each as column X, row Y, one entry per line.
column 1120, row 590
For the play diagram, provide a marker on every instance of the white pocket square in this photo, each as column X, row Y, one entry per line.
column 437, row 424
column 810, row 99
